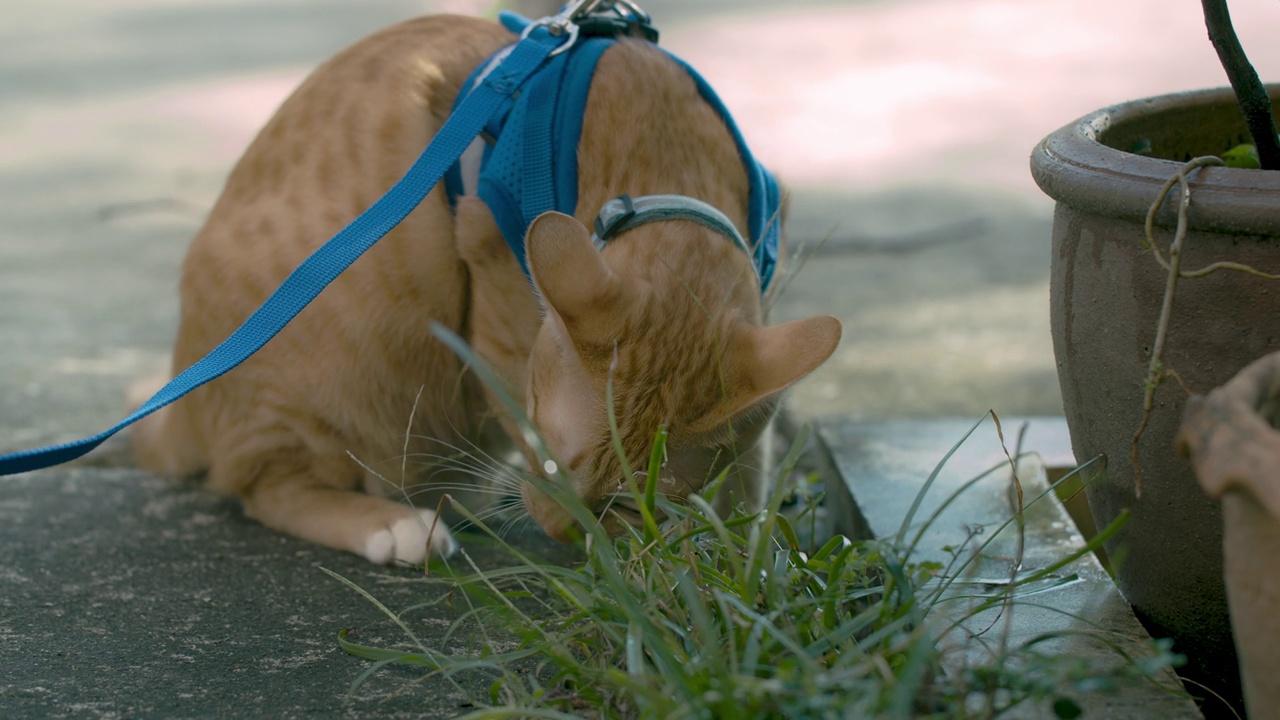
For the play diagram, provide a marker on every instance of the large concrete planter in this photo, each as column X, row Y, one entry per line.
column 1233, row 443
column 1105, row 297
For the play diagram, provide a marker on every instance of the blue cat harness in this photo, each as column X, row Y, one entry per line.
column 525, row 162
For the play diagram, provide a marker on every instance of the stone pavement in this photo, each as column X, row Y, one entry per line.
column 902, row 128
column 126, row 596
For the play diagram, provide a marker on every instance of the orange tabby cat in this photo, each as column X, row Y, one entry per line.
column 670, row 310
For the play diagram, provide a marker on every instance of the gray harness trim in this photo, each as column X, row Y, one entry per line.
column 624, row 213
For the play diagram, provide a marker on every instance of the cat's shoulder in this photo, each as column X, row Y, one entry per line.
column 430, row 49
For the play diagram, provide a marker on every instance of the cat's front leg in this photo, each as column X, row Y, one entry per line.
column 303, row 500
column 381, row 530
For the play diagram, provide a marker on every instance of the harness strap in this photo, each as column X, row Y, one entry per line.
column 529, row 162
column 326, row 263
column 624, row 213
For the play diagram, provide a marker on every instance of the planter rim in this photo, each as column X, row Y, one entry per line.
column 1075, row 169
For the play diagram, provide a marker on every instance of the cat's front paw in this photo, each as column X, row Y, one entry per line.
column 410, row 539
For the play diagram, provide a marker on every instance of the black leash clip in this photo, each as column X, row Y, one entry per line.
column 612, row 18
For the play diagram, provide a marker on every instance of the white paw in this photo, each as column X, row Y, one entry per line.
column 409, row 540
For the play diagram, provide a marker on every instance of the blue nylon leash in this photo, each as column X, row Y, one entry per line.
column 331, row 259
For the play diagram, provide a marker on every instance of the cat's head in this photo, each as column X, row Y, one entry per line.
column 692, row 359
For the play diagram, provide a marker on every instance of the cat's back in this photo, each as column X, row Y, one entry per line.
column 339, row 141
column 363, row 116
column 392, row 88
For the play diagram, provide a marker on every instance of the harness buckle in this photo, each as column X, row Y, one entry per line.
column 613, row 215
column 596, row 18
column 580, row 9
column 615, row 18
column 556, row 25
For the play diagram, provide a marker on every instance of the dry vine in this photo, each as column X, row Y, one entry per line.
column 1156, row 373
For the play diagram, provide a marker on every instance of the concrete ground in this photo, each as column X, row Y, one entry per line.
column 902, row 127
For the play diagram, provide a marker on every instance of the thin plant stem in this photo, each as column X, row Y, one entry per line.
column 1155, row 364
column 1156, row 372
column 1251, row 94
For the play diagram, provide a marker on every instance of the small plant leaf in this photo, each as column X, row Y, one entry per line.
column 1242, row 156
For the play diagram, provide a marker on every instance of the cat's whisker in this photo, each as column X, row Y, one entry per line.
column 461, row 484
column 442, row 464
column 497, row 473
column 501, row 475
column 439, row 463
column 503, row 512
column 457, row 460
column 457, row 488
column 515, row 524
column 505, row 531
column 483, row 475
column 485, row 516
column 511, row 506
column 474, row 452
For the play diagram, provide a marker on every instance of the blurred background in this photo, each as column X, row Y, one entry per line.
column 902, row 128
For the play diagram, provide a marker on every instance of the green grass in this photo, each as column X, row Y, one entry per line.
column 707, row 618
column 702, row 617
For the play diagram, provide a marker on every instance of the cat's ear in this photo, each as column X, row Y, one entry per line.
column 768, row 360
column 571, row 277
column 775, row 358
